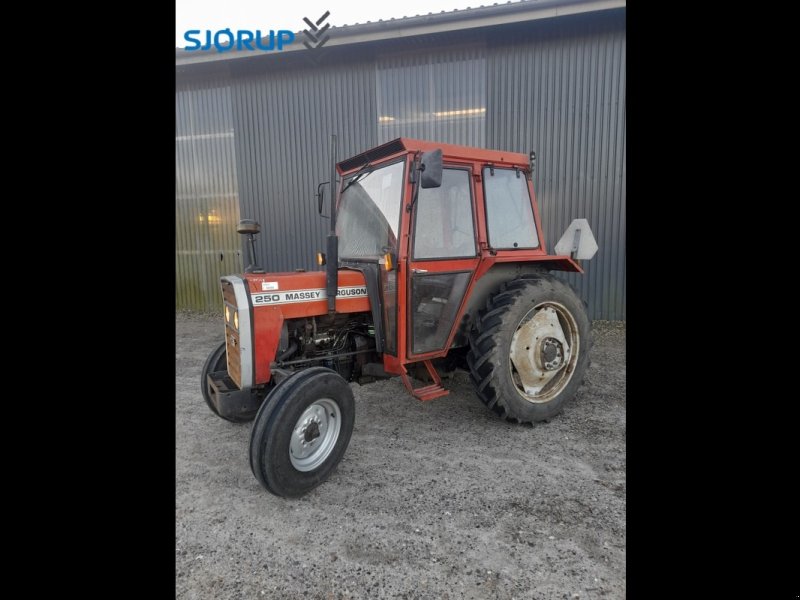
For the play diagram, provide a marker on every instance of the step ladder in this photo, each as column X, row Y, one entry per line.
column 427, row 392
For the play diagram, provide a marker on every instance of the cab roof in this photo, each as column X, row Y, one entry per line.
column 450, row 151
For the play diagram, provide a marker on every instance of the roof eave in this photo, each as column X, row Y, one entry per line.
column 485, row 16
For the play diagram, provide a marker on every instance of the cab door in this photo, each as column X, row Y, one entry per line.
column 443, row 257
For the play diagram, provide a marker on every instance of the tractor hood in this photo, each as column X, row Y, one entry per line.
column 303, row 293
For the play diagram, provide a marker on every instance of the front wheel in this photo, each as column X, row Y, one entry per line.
column 529, row 350
column 301, row 431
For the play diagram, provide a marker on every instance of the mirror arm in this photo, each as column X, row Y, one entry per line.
column 414, row 195
column 415, row 166
column 412, row 176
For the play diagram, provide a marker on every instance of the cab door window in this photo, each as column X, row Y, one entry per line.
column 444, row 226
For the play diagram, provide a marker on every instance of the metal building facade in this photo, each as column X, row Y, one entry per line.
column 252, row 137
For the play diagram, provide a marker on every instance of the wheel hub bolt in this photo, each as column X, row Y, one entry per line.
column 552, row 354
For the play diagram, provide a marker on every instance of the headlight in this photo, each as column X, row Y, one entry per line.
column 227, row 314
column 236, row 320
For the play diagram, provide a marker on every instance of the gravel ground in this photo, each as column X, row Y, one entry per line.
column 432, row 500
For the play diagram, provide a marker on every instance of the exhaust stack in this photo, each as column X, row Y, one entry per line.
column 332, row 265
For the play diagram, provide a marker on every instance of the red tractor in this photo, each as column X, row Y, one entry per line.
column 435, row 260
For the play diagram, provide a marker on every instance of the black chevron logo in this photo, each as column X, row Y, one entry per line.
column 318, row 37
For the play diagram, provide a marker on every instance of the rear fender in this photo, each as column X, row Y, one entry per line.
column 500, row 273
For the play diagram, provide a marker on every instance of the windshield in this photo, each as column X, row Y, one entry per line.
column 369, row 213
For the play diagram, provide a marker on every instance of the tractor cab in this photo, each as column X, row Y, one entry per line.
column 424, row 222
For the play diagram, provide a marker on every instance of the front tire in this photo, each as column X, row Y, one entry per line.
column 301, row 431
column 529, row 350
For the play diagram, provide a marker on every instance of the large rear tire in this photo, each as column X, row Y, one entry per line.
column 218, row 361
column 301, row 431
column 529, row 349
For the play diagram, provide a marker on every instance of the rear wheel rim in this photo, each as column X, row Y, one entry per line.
column 315, row 434
column 544, row 352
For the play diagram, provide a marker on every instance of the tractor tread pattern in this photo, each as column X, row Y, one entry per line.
column 482, row 358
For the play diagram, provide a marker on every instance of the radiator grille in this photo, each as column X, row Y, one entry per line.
column 232, row 337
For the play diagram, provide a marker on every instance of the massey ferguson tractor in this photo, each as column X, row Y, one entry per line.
column 435, row 260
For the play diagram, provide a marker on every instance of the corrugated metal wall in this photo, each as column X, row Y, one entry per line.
column 206, row 199
column 557, row 87
column 560, row 90
column 283, row 120
column 433, row 96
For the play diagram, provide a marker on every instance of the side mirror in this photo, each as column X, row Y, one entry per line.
column 320, row 196
column 431, row 169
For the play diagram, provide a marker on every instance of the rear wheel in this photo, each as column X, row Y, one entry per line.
column 301, row 431
column 218, row 361
column 529, row 350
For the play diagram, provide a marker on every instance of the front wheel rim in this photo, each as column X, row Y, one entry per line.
column 315, row 434
column 544, row 352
